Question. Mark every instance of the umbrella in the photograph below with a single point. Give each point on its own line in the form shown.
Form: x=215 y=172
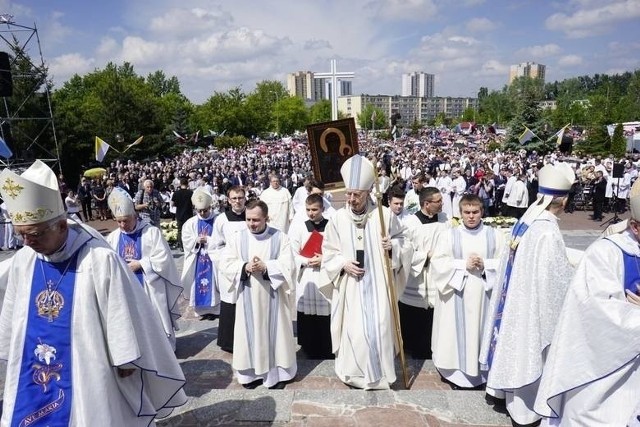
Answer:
x=95 y=173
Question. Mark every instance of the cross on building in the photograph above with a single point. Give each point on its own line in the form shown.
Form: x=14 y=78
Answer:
x=334 y=76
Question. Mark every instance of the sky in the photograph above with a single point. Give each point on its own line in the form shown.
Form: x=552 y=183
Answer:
x=217 y=45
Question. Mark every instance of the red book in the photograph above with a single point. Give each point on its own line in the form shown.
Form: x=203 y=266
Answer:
x=313 y=245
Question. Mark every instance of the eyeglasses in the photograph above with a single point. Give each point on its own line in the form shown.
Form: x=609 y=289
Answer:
x=201 y=211
x=35 y=235
x=434 y=201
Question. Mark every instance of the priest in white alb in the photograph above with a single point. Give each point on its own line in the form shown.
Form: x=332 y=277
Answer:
x=464 y=271
x=353 y=251
x=592 y=373
x=258 y=265
x=146 y=252
x=278 y=199
x=533 y=278
x=82 y=343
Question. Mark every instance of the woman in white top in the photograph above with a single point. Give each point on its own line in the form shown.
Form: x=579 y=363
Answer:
x=73 y=205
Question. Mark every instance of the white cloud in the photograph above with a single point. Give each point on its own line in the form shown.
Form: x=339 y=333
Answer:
x=178 y=23
x=315 y=44
x=536 y=52
x=493 y=67
x=595 y=18
x=477 y=25
x=403 y=10
x=570 y=61
x=61 y=68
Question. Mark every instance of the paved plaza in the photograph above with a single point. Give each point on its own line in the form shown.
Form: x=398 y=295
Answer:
x=316 y=397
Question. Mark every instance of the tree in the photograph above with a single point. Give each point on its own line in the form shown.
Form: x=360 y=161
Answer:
x=525 y=94
x=618 y=142
x=320 y=112
x=292 y=115
x=380 y=119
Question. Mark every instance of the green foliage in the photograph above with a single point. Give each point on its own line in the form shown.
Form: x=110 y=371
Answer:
x=618 y=141
x=364 y=118
x=320 y=112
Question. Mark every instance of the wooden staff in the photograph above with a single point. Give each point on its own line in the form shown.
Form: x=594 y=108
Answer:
x=391 y=290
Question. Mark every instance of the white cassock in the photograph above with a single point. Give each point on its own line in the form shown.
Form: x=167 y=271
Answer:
x=308 y=298
x=411 y=202
x=539 y=279
x=298 y=199
x=592 y=373
x=112 y=325
x=263 y=346
x=419 y=292
x=444 y=184
x=362 y=328
x=280 y=207
x=458 y=187
x=462 y=300
x=190 y=239
x=161 y=279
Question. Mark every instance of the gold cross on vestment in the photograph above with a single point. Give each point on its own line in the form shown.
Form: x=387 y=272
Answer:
x=11 y=188
x=359 y=237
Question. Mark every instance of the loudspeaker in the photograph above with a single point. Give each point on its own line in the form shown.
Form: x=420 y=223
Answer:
x=618 y=170
x=6 y=82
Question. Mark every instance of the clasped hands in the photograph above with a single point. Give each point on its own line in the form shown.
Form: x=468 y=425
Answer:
x=315 y=261
x=475 y=263
x=256 y=265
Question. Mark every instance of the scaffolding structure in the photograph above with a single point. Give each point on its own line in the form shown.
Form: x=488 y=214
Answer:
x=26 y=119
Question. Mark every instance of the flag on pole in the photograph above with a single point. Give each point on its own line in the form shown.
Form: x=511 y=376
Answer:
x=526 y=136
x=101 y=149
x=560 y=134
x=5 y=151
x=136 y=142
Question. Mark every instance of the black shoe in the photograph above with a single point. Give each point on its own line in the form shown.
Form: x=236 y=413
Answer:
x=252 y=385
x=209 y=316
x=278 y=386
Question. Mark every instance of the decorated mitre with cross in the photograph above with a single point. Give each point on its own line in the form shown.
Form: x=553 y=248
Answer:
x=120 y=203
x=201 y=199
x=32 y=197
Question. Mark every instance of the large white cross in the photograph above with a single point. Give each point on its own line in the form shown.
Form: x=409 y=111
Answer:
x=334 y=75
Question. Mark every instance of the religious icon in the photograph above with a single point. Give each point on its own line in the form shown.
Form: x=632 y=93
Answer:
x=331 y=144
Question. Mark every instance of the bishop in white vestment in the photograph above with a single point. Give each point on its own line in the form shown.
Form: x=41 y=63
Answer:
x=82 y=343
x=146 y=252
x=199 y=273
x=362 y=326
x=533 y=279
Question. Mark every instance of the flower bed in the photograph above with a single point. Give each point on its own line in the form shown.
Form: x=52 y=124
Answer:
x=170 y=231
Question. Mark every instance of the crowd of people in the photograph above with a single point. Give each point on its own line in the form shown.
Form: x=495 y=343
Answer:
x=549 y=333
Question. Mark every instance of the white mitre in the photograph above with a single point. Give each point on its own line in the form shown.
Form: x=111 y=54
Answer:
x=358 y=173
x=201 y=198
x=32 y=197
x=120 y=203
